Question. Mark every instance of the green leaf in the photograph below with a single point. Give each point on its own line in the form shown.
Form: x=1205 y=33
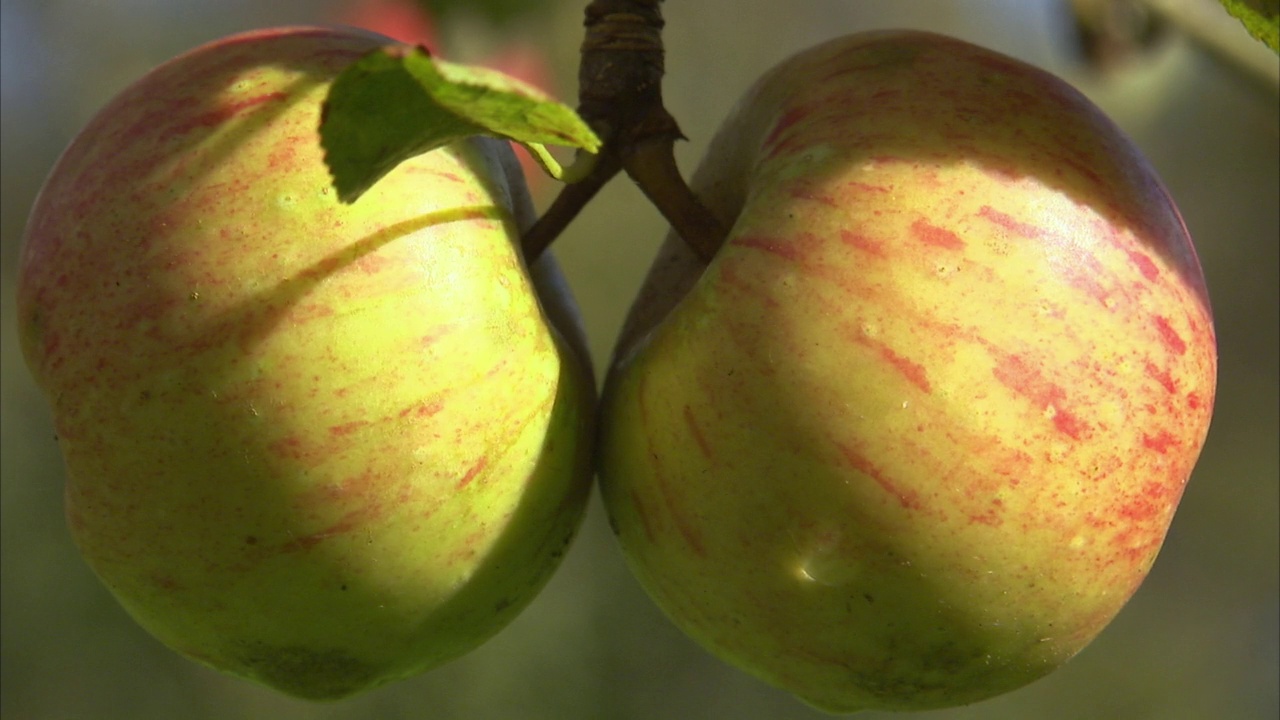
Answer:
x=398 y=102
x=1260 y=17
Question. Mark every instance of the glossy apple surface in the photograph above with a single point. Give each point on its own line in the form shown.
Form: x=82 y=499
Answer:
x=917 y=432
x=321 y=446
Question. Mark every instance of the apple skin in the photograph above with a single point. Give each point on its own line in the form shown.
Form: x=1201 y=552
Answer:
x=316 y=445
x=916 y=433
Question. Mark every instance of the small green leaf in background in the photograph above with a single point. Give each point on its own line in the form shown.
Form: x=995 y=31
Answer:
x=1260 y=17
x=398 y=102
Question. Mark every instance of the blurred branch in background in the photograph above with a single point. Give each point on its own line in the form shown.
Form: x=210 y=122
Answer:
x=1112 y=32
x=1205 y=22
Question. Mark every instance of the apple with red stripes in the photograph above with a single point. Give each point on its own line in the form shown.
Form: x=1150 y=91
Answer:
x=916 y=433
x=319 y=445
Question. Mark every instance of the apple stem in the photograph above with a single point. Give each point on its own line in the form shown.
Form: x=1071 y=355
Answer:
x=571 y=199
x=620 y=97
x=652 y=165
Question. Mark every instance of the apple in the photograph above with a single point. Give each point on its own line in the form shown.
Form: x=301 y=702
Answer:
x=917 y=431
x=316 y=445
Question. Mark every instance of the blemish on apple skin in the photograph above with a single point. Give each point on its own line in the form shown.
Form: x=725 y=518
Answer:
x=1169 y=336
x=1145 y=265
x=913 y=371
x=430 y=338
x=1161 y=442
x=787 y=251
x=1014 y=372
x=1161 y=376
x=861 y=187
x=472 y=472
x=284 y=157
x=908 y=499
x=290 y=447
x=1093 y=520
x=803 y=194
x=307 y=542
x=1008 y=222
x=935 y=236
x=221 y=115
x=857 y=241
x=686 y=530
x=642 y=513
x=696 y=431
x=372 y=264
x=316 y=674
x=165 y=582
x=423 y=410
x=792 y=116
x=1147 y=505
x=347 y=428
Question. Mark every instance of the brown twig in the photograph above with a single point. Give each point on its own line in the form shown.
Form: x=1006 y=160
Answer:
x=651 y=163
x=572 y=198
x=620 y=97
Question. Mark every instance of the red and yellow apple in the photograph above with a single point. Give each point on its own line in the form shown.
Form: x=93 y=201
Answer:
x=318 y=445
x=916 y=433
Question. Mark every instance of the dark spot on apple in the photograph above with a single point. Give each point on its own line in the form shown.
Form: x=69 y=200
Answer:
x=868 y=597
x=250 y=540
x=344 y=587
x=311 y=673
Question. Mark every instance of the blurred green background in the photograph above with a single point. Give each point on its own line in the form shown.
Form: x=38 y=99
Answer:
x=1199 y=641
